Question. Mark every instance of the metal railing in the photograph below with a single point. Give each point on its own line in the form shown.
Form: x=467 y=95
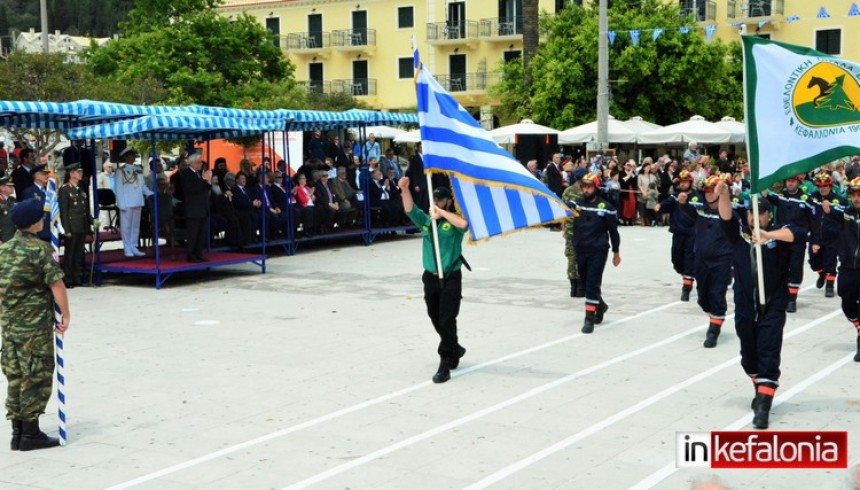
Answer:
x=467 y=82
x=308 y=40
x=700 y=10
x=317 y=86
x=446 y=31
x=501 y=27
x=353 y=37
x=755 y=8
x=354 y=86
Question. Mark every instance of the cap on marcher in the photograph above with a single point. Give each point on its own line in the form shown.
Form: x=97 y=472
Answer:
x=685 y=176
x=127 y=150
x=854 y=185
x=72 y=167
x=591 y=179
x=28 y=213
x=764 y=206
x=441 y=193
x=823 y=179
x=39 y=168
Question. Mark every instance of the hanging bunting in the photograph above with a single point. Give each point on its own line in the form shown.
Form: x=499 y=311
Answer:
x=634 y=36
x=685 y=30
x=822 y=13
x=612 y=35
x=709 y=32
x=792 y=18
x=655 y=34
x=855 y=11
x=737 y=24
x=763 y=23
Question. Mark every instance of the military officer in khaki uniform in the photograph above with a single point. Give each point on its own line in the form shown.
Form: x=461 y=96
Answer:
x=7 y=229
x=77 y=223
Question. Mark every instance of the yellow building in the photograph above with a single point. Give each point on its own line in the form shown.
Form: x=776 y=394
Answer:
x=364 y=47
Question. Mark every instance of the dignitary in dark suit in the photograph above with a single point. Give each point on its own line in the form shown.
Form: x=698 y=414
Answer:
x=77 y=223
x=553 y=175
x=196 y=184
x=38 y=191
x=247 y=207
x=327 y=207
x=79 y=154
x=23 y=175
x=415 y=172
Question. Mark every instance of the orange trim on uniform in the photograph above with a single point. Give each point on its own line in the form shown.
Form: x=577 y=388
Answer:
x=792 y=291
x=766 y=390
x=688 y=282
x=590 y=307
x=831 y=277
x=717 y=321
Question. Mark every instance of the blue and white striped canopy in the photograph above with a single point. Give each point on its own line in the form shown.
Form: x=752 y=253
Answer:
x=38 y=115
x=281 y=114
x=97 y=112
x=313 y=120
x=379 y=118
x=177 y=126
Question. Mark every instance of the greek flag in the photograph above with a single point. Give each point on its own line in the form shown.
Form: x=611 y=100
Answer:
x=52 y=206
x=496 y=193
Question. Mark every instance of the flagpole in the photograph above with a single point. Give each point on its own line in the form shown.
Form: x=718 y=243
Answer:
x=757 y=235
x=434 y=226
x=53 y=208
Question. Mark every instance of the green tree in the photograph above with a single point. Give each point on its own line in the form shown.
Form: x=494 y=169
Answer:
x=835 y=97
x=198 y=55
x=665 y=81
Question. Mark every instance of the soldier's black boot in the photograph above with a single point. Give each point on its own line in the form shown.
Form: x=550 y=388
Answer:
x=761 y=409
x=574 y=285
x=455 y=362
x=792 y=303
x=686 y=288
x=713 y=333
x=444 y=372
x=602 y=308
x=857 y=355
x=33 y=438
x=588 y=324
x=828 y=289
x=755 y=391
x=819 y=283
x=16 y=434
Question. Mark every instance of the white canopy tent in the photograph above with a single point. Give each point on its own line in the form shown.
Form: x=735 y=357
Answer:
x=619 y=132
x=636 y=123
x=413 y=136
x=381 y=132
x=507 y=135
x=738 y=129
x=697 y=129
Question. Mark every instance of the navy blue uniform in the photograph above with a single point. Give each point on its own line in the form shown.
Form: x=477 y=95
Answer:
x=593 y=232
x=682 y=225
x=824 y=233
x=848 y=219
x=795 y=210
x=713 y=262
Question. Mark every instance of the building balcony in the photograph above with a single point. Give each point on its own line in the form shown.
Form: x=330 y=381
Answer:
x=754 y=9
x=309 y=43
x=700 y=10
x=449 y=33
x=501 y=29
x=356 y=87
x=467 y=83
x=358 y=40
x=316 y=86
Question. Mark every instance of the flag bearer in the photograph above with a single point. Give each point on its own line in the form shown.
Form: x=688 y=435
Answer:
x=595 y=231
x=794 y=208
x=682 y=225
x=824 y=234
x=849 y=254
x=759 y=326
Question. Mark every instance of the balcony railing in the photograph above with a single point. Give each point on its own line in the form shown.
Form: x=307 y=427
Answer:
x=701 y=10
x=354 y=86
x=347 y=38
x=317 y=86
x=467 y=82
x=755 y=8
x=308 y=40
x=501 y=27
x=452 y=31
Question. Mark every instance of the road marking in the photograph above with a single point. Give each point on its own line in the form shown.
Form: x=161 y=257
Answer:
x=668 y=470
x=375 y=401
x=603 y=424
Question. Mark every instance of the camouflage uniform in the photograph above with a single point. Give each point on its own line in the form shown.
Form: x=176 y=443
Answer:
x=27 y=271
x=7 y=229
x=571 y=193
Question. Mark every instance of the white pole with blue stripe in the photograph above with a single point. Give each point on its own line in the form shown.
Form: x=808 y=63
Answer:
x=53 y=207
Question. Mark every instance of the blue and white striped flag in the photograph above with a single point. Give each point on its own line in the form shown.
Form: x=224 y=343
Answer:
x=496 y=193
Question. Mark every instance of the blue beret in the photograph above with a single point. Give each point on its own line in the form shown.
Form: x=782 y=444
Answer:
x=579 y=173
x=27 y=213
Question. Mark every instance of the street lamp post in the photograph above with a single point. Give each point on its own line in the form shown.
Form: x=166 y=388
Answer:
x=43 y=4
x=603 y=78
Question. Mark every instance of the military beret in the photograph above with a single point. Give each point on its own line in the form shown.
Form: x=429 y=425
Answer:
x=579 y=173
x=441 y=193
x=72 y=167
x=27 y=213
x=39 y=168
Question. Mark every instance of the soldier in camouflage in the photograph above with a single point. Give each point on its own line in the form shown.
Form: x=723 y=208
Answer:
x=30 y=279
x=573 y=193
x=7 y=188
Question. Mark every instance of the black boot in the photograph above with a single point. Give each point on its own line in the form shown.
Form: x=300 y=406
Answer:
x=601 y=309
x=828 y=290
x=819 y=283
x=588 y=325
x=857 y=355
x=574 y=285
x=580 y=288
x=455 y=362
x=713 y=333
x=761 y=410
x=33 y=438
x=444 y=372
x=792 y=303
x=16 y=434
x=685 y=293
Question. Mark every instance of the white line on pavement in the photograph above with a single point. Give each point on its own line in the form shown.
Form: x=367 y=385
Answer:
x=375 y=401
x=603 y=424
x=668 y=470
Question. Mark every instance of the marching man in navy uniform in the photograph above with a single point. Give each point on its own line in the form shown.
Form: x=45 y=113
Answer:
x=793 y=208
x=848 y=218
x=595 y=231
x=824 y=233
x=682 y=225
x=759 y=326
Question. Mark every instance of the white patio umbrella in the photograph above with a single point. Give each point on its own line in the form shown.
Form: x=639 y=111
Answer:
x=738 y=129
x=619 y=132
x=507 y=135
x=413 y=136
x=636 y=123
x=381 y=132
x=697 y=129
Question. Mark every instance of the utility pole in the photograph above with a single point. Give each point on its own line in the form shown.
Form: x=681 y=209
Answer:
x=603 y=78
x=43 y=4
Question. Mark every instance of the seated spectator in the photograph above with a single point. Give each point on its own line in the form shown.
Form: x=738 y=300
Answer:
x=277 y=221
x=305 y=198
x=247 y=206
x=285 y=205
x=223 y=215
x=397 y=216
x=220 y=170
x=380 y=197
x=326 y=205
x=347 y=198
